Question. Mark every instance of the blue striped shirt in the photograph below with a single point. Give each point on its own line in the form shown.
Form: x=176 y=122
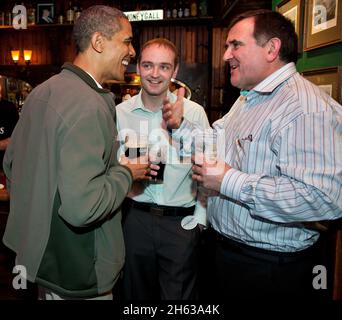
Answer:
x=283 y=141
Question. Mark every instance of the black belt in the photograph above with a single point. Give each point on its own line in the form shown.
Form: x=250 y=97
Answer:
x=162 y=210
x=259 y=253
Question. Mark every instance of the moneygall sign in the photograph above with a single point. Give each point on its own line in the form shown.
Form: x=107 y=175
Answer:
x=145 y=15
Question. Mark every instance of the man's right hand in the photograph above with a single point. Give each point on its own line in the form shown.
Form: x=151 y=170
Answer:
x=173 y=112
x=140 y=168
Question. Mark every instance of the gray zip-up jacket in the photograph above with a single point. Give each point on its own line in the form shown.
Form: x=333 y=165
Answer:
x=66 y=187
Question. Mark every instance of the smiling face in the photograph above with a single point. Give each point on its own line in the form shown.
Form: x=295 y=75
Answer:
x=247 y=60
x=156 y=68
x=117 y=52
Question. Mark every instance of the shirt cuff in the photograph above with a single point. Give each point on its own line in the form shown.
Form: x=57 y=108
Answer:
x=232 y=183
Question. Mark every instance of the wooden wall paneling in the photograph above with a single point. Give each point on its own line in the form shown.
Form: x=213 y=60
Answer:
x=222 y=69
x=194 y=45
x=199 y=45
x=189 y=45
x=151 y=33
x=182 y=44
x=35 y=50
x=50 y=43
x=218 y=65
x=166 y=31
x=9 y=45
x=204 y=31
x=5 y=48
x=215 y=65
x=2 y=56
x=45 y=53
x=337 y=291
x=178 y=42
x=41 y=52
x=142 y=37
x=161 y=32
x=172 y=35
x=70 y=52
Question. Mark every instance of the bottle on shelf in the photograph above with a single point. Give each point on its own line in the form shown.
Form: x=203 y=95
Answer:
x=9 y=14
x=77 y=12
x=174 y=12
x=186 y=9
x=167 y=10
x=193 y=8
x=2 y=18
x=31 y=15
x=70 y=13
x=180 y=12
x=168 y=13
x=60 y=17
x=8 y=18
x=203 y=6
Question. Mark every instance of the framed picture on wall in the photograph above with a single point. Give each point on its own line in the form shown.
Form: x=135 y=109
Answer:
x=45 y=13
x=328 y=79
x=293 y=10
x=323 y=23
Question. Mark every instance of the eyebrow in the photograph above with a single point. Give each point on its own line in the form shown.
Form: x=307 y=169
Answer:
x=233 y=42
x=161 y=63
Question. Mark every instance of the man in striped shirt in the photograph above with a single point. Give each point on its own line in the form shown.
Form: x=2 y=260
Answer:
x=282 y=169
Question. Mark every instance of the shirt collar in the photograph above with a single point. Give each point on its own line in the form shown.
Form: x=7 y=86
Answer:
x=95 y=80
x=244 y=92
x=276 y=78
x=137 y=103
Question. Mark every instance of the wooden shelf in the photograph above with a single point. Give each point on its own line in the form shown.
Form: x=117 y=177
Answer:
x=190 y=20
x=38 y=26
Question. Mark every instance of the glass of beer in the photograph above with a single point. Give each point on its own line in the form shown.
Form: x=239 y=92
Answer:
x=157 y=156
x=136 y=146
x=205 y=149
x=205 y=146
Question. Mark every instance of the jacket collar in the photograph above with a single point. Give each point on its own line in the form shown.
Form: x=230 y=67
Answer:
x=84 y=76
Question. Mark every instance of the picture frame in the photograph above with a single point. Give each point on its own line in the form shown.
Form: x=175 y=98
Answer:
x=323 y=23
x=293 y=10
x=329 y=79
x=45 y=13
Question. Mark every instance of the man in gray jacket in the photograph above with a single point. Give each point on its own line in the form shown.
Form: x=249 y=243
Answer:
x=66 y=185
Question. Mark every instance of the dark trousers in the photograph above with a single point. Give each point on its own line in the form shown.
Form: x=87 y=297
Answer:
x=245 y=272
x=161 y=257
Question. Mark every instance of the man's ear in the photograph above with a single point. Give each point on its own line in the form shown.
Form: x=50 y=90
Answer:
x=138 y=69
x=97 y=42
x=273 y=46
x=174 y=75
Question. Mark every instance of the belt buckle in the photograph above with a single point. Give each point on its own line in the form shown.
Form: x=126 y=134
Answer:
x=157 y=211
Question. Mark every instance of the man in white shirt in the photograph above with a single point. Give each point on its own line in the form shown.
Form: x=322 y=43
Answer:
x=161 y=255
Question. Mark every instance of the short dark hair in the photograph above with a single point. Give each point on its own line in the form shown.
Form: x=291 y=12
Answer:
x=103 y=19
x=269 y=24
x=162 y=42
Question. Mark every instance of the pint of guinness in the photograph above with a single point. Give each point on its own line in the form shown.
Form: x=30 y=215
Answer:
x=136 y=147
